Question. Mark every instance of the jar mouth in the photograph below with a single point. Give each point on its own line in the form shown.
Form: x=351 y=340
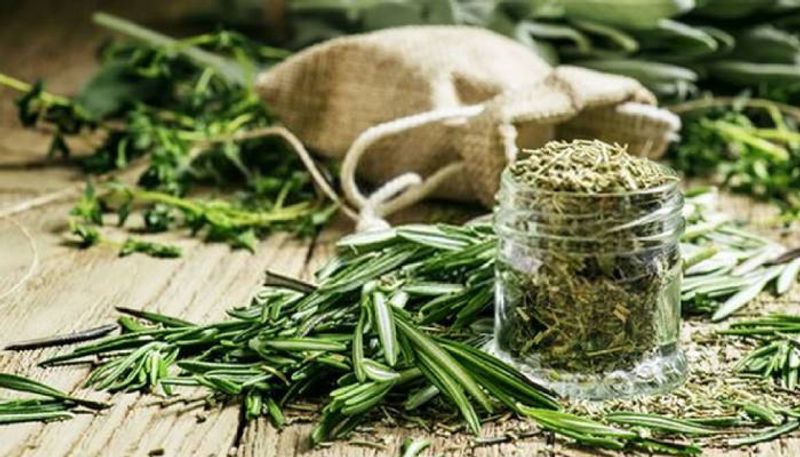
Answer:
x=630 y=221
x=507 y=181
x=671 y=209
x=592 y=246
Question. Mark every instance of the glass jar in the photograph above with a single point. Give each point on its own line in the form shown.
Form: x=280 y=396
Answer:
x=588 y=288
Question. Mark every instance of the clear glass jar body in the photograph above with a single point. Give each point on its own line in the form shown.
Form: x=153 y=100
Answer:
x=588 y=289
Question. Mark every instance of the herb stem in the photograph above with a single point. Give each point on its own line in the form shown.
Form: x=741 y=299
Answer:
x=22 y=86
x=228 y=69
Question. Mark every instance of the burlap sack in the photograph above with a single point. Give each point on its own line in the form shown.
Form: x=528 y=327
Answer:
x=450 y=104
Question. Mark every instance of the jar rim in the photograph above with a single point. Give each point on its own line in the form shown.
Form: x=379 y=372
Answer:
x=670 y=208
x=507 y=180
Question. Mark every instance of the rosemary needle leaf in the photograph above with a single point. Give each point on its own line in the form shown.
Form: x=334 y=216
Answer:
x=155 y=318
x=425 y=345
x=379 y=372
x=305 y=344
x=429 y=235
x=762 y=413
x=385 y=326
x=358 y=348
x=14 y=418
x=432 y=288
x=767 y=435
x=277 y=280
x=451 y=388
x=367 y=241
x=506 y=377
x=661 y=423
x=788 y=276
x=662 y=447
x=412 y=447
x=367 y=400
x=419 y=397
x=71 y=338
x=22 y=384
x=584 y=431
x=253 y=405
x=757 y=260
x=568 y=421
x=275 y=413
x=745 y=295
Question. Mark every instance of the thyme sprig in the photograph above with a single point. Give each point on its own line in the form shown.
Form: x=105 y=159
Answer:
x=187 y=112
x=751 y=146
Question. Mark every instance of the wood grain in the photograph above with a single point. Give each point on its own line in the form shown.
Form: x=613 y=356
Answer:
x=70 y=289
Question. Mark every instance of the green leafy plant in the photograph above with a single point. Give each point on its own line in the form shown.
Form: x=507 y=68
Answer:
x=725 y=267
x=674 y=47
x=777 y=351
x=184 y=110
x=398 y=319
x=748 y=146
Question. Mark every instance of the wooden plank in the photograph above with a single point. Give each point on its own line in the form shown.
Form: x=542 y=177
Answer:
x=77 y=289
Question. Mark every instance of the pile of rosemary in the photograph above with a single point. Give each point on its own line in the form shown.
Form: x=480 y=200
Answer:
x=777 y=355
x=395 y=328
x=588 y=260
x=182 y=114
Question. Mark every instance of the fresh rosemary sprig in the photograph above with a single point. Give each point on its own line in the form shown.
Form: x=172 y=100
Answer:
x=359 y=322
x=57 y=405
x=596 y=434
x=727 y=267
x=60 y=340
x=397 y=318
x=777 y=352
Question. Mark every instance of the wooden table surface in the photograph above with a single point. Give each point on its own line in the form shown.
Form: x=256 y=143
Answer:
x=49 y=287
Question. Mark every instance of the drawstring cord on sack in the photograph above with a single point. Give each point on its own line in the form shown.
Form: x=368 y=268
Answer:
x=406 y=189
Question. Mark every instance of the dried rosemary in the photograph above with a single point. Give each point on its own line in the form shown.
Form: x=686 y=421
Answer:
x=589 y=266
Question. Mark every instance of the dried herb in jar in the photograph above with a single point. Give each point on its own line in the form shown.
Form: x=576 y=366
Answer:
x=589 y=264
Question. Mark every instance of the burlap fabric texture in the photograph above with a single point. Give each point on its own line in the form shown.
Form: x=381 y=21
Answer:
x=447 y=107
